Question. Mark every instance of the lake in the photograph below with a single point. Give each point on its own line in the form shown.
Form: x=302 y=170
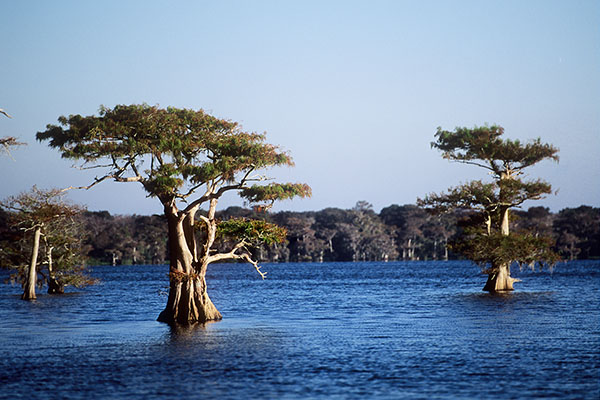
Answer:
x=414 y=330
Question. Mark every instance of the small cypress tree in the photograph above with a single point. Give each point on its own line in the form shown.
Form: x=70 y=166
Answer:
x=487 y=239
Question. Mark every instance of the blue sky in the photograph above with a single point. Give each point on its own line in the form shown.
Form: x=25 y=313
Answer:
x=353 y=89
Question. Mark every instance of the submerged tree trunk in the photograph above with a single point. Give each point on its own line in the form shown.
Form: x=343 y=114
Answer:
x=500 y=280
x=188 y=300
x=445 y=249
x=29 y=289
x=55 y=286
x=188 y=303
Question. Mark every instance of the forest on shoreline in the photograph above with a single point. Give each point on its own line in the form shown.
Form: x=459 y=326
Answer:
x=397 y=232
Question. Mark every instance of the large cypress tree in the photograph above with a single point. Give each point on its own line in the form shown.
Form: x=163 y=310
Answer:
x=486 y=237
x=186 y=159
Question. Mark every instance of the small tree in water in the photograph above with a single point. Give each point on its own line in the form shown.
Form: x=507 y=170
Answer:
x=486 y=237
x=185 y=159
x=43 y=239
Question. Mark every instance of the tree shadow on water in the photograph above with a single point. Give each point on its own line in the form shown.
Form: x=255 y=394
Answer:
x=181 y=331
x=485 y=302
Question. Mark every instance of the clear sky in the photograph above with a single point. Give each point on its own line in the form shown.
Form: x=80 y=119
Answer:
x=353 y=89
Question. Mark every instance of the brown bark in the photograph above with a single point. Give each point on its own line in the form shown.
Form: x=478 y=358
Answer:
x=29 y=289
x=188 y=300
x=188 y=303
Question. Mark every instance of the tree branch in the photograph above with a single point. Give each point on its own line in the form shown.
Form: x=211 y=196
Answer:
x=191 y=191
x=475 y=163
x=211 y=194
x=97 y=180
x=232 y=255
x=82 y=168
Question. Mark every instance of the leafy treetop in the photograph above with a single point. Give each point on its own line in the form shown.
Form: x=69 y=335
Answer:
x=39 y=207
x=484 y=147
x=172 y=152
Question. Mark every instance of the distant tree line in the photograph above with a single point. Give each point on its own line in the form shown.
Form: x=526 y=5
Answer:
x=398 y=232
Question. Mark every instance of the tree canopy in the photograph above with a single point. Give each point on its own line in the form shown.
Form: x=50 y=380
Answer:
x=172 y=152
x=484 y=146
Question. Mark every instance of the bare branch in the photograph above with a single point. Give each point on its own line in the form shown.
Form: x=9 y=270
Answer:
x=137 y=178
x=96 y=181
x=7 y=142
x=105 y=177
x=211 y=194
x=134 y=169
x=477 y=164
x=191 y=191
x=246 y=256
x=5 y=113
x=245 y=178
x=226 y=256
x=233 y=255
x=204 y=219
x=82 y=168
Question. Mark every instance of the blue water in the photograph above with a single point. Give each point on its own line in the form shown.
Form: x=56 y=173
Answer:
x=418 y=330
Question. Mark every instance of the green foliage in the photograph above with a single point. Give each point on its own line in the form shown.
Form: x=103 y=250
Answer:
x=524 y=248
x=185 y=148
x=472 y=195
x=485 y=144
x=254 y=232
x=486 y=197
x=163 y=180
x=275 y=191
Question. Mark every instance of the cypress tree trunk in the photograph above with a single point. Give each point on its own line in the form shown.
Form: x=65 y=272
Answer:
x=505 y=227
x=188 y=303
x=500 y=280
x=54 y=285
x=188 y=300
x=445 y=249
x=29 y=289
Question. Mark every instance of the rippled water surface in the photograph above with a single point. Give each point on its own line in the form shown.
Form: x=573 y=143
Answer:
x=334 y=330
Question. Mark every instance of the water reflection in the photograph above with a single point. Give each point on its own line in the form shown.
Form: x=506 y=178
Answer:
x=222 y=339
x=182 y=331
x=503 y=298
